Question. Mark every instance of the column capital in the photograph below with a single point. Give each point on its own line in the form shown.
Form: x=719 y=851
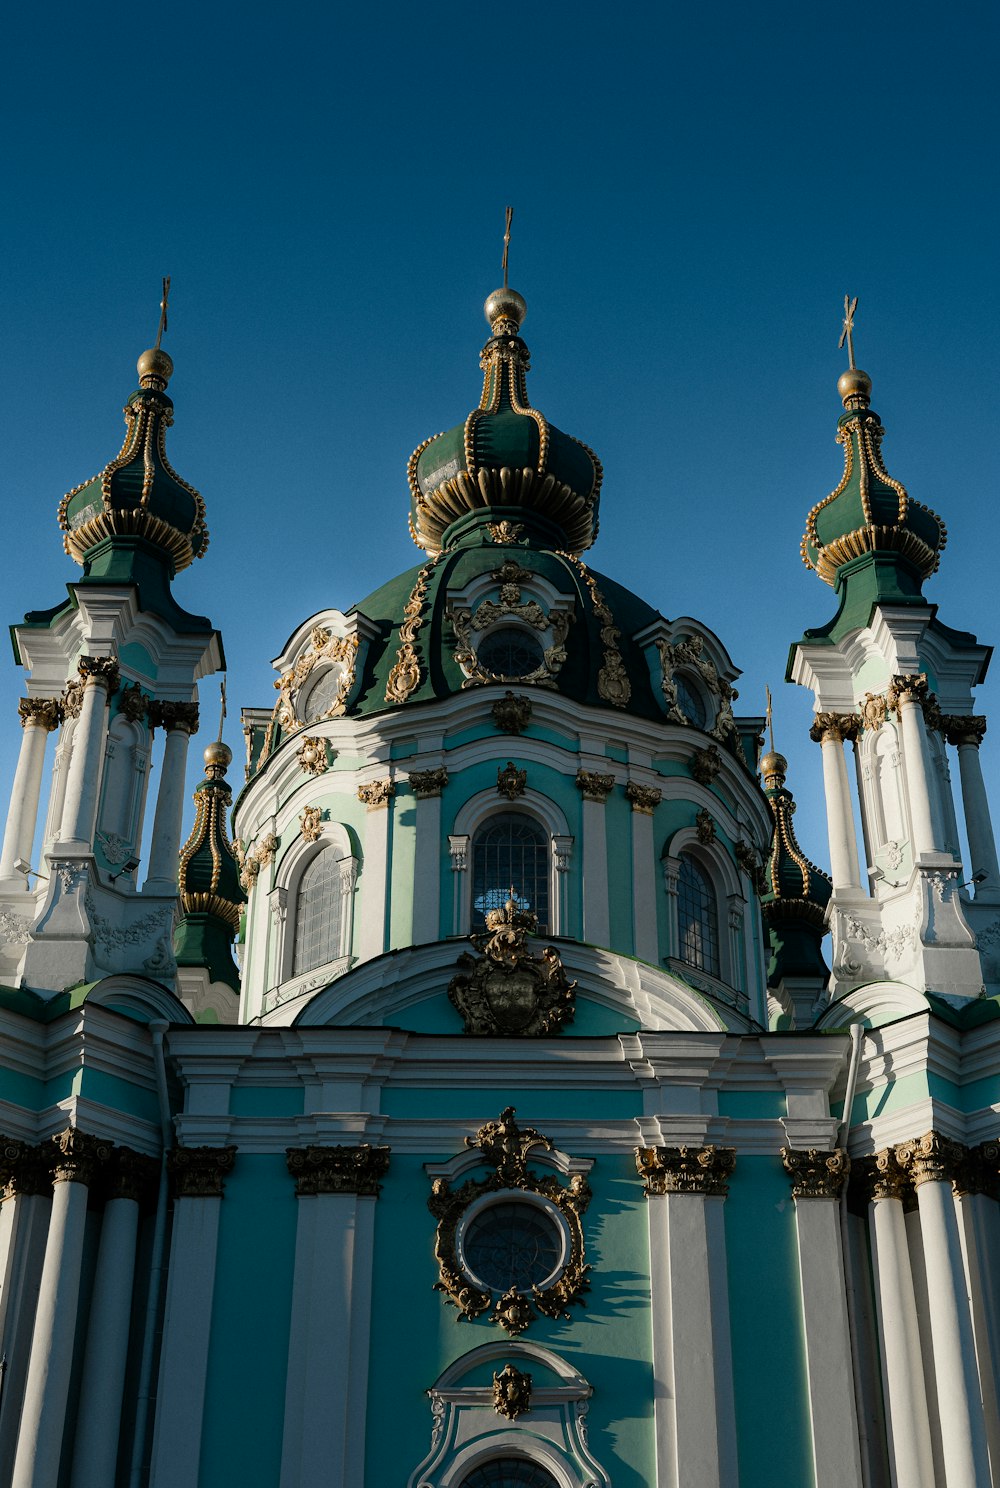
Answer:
x=906 y=687
x=338 y=1170
x=100 y=671
x=131 y=1175
x=643 y=798
x=689 y=1170
x=881 y=1177
x=980 y=1172
x=377 y=794
x=45 y=713
x=25 y=1169
x=78 y=1157
x=931 y=1159
x=963 y=728
x=427 y=783
x=815 y=1173
x=834 y=727
x=169 y=715
x=199 y=1172
x=593 y=786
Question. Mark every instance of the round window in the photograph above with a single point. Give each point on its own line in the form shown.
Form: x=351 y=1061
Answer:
x=690 y=701
x=322 y=695
x=510 y=652
x=512 y=1472
x=512 y=1243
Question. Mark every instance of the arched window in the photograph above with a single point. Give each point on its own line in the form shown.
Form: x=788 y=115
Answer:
x=319 y=913
x=510 y=1472
x=508 y=852
x=697 y=918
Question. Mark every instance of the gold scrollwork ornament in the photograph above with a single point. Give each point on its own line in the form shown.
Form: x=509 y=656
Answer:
x=506 y=1149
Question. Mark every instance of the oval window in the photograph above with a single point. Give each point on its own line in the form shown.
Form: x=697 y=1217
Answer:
x=511 y=1472
x=690 y=701
x=322 y=695
x=510 y=651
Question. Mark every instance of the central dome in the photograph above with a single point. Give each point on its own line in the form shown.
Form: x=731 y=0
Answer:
x=506 y=460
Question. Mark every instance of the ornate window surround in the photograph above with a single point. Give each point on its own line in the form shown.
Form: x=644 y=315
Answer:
x=474 y=814
x=284 y=904
x=468 y=1432
x=463 y=611
x=731 y=903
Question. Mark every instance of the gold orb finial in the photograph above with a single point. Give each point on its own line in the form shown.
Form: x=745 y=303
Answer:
x=218 y=757
x=855 y=388
x=505 y=310
x=774 y=767
x=155 y=368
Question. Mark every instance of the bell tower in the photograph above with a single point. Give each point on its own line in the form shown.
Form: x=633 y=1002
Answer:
x=107 y=670
x=894 y=685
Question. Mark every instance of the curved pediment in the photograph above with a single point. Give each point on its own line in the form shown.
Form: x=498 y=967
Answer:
x=614 y=994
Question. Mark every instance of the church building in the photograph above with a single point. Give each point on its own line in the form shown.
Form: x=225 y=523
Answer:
x=461 y=1092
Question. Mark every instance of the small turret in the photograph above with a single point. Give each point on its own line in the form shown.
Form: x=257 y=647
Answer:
x=208 y=879
x=794 y=900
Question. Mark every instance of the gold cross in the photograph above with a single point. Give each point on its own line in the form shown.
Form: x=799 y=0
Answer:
x=163 y=311
x=506 y=243
x=769 y=717
x=847 y=334
x=222 y=694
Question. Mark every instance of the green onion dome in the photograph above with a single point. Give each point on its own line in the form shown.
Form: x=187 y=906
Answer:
x=139 y=494
x=869 y=512
x=506 y=457
x=208 y=878
x=795 y=892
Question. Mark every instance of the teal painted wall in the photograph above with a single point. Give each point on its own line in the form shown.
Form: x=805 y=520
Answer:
x=769 y=1368
x=403 y=841
x=251 y=1312
x=618 y=830
x=608 y=1340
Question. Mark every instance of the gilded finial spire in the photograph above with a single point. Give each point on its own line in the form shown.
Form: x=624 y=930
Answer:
x=847 y=334
x=506 y=243
x=163 y=312
x=222 y=712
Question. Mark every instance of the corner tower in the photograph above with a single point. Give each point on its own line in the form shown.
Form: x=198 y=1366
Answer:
x=116 y=661
x=894 y=682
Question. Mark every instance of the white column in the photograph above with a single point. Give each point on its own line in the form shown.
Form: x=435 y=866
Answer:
x=24 y=1222
x=831 y=729
x=906 y=691
x=326 y=1385
x=102 y=1383
x=979 y=1233
x=911 y=1460
x=39 y=716
x=180 y=721
x=198 y=1174
x=596 y=905
x=644 y=801
x=83 y=779
x=817 y=1178
x=932 y=1162
x=966 y=734
x=370 y=934
x=693 y=1415
x=427 y=859
x=46 y=1391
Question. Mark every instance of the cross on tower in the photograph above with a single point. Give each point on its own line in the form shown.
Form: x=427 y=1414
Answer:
x=506 y=243
x=847 y=334
x=163 y=311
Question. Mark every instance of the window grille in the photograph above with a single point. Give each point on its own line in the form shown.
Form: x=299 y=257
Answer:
x=690 y=701
x=318 y=913
x=510 y=851
x=697 y=918
x=510 y=652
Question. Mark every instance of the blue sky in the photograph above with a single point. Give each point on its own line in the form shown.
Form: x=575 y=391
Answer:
x=695 y=190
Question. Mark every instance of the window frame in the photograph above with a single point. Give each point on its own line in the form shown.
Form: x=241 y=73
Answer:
x=473 y=815
x=300 y=856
